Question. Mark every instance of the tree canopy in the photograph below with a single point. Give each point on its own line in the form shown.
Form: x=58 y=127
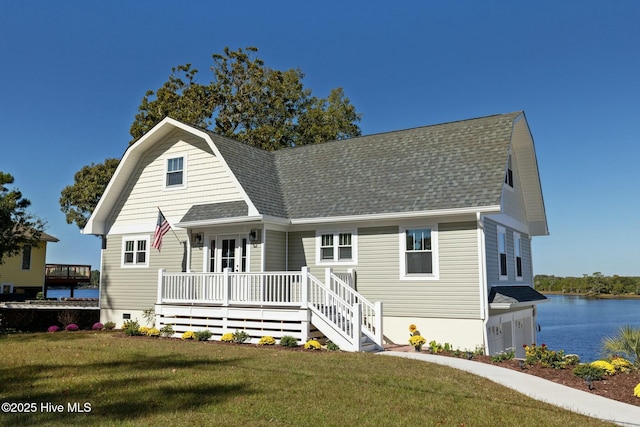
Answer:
x=18 y=228
x=245 y=100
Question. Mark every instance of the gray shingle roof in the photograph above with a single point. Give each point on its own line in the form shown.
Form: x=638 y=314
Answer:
x=514 y=294
x=445 y=166
x=216 y=211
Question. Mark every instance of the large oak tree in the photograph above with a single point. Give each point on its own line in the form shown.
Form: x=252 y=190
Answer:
x=245 y=99
x=18 y=228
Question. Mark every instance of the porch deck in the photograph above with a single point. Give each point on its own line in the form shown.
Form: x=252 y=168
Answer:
x=270 y=303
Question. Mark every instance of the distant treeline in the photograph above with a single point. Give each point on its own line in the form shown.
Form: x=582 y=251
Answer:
x=589 y=284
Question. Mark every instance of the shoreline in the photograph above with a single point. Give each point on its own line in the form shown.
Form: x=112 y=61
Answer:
x=592 y=296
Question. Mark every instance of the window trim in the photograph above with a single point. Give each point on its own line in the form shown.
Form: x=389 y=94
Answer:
x=166 y=171
x=336 y=247
x=135 y=239
x=501 y=231
x=517 y=247
x=508 y=174
x=435 y=258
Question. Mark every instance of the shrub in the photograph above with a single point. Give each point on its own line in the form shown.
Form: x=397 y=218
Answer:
x=636 y=391
x=312 y=345
x=153 y=332
x=240 y=336
x=331 y=346
x=544 y=356
x=228 y=337
x=571 y=360
x=202 y=335
x=266 y=340
x=588 y=371
x=501 y=356
x=288 y=341
x=605 y=366
x=54 y=328
x=621 y=364
x=189 y=335
x=109 y=326
x=167 y=331
x=71 y=327
x=97 y=326
x=143 y=330
x=435 y=347
x=131 y=328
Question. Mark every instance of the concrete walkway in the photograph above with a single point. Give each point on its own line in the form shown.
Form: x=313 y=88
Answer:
x=565 y=397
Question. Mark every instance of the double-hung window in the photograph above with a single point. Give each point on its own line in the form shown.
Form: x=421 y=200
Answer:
x=418 y=255
x=502 y=253
x=336 y=247
x=508 y=176
x=175 y=176
x=135 y=251
x=517 y=249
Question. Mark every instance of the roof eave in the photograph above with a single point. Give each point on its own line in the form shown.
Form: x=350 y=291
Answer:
x=219 y=221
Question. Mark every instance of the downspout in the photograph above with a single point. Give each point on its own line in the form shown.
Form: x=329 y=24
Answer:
x=482 y=272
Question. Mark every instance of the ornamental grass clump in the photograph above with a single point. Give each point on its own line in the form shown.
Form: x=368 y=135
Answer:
x=288 y=341
x=167 y=331
x=54 y=328
x=131 y=328
x=312 y=345
x=240 y=337
x=267 y=340
x=72 y=327
x=189 y=335
x=626 y=343
x=109 y=326
x=228 y=337
x=203 y=335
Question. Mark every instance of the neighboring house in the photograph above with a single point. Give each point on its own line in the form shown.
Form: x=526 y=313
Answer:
x=435 y=223
x=24 y=273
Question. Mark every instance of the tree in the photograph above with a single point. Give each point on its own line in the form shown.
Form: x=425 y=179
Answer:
x=18 y=228
x=78 y=201
x=245 y=99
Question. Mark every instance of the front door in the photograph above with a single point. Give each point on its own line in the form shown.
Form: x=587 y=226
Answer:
x=228 y=252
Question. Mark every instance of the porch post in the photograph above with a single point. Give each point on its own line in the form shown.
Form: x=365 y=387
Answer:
x=378 y=323
x=304 y=288
x=160 y=277
x=327 y=277
x=226 y=287
x=352 y=278
x=357 y=327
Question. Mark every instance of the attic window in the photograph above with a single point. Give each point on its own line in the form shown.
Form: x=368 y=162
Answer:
x=508 y=177
x=175 y=172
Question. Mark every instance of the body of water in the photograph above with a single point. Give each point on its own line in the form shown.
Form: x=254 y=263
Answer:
x=578 y=325
x=78 y=293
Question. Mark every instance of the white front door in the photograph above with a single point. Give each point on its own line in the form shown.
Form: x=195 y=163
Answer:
x=228 y=252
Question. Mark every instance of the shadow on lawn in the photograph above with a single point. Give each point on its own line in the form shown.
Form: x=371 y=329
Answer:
x=117 y=390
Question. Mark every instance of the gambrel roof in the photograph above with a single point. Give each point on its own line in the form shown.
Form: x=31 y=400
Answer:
x=438 y=169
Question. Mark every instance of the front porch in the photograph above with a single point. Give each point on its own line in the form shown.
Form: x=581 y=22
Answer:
x=270 y=303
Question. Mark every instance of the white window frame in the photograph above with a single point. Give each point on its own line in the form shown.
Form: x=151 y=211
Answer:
x=336 y=247
x=502 y=232
x=517 y=247
x=435 y=259
x=166 y=160
x=135 y=239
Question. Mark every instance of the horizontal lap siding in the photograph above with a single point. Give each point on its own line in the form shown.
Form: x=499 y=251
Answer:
x=491 y=243
x=275 y=250
x=302 y=250
x=454 y=295
x=136 y=288
x=207 y=182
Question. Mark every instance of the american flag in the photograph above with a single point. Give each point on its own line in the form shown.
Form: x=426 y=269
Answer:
x=162 y=226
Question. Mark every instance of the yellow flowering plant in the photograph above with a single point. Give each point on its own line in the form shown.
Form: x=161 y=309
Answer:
x=621 y=364
x=636 y=391
x=153 y=332
x=417 y=340
x=189 y=335
x=266 y=340
x=604 y=365
x=312 y=345
x=228 y=337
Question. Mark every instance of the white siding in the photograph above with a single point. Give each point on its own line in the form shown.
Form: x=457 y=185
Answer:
x=207 y=182
x=491 y=243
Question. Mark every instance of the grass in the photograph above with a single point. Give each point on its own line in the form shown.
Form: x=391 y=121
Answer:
x=142 y=381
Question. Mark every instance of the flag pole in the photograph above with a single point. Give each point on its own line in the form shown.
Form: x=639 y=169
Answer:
x=170 y=226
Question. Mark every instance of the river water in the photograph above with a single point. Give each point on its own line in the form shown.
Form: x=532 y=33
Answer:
x=78 y=293
x=578 y=325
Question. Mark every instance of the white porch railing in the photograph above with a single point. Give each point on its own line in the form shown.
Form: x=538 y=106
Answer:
x=342 y=314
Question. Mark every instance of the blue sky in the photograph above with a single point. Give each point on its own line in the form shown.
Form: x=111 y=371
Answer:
x=73 y=73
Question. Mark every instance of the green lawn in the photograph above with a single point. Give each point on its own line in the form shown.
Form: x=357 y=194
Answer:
x=143 y=381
